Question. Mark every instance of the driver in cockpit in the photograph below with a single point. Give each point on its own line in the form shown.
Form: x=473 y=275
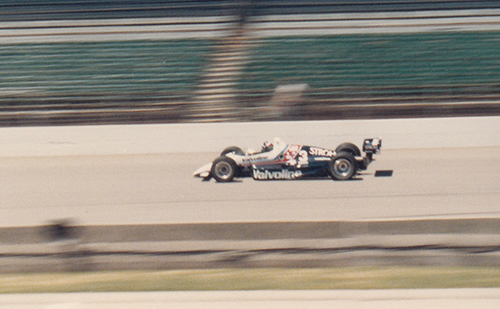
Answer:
x=267 y=146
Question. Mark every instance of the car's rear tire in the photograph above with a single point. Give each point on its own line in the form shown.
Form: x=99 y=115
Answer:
x=343 y=166
x=349 y=148
x=224 y=169
x=232 y=149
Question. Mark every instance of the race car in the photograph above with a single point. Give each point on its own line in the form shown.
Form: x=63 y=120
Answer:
x=281 y=161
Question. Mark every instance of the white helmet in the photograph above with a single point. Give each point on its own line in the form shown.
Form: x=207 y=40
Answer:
x=267 y=146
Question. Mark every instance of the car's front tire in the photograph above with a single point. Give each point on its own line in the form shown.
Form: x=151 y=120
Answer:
x=224 y=169
x=232 y=149
x=343 y=166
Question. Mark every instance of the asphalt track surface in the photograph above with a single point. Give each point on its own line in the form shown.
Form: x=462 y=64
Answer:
x=353 y=299
x=160 y=189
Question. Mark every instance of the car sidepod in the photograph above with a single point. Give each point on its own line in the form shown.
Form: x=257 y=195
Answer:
x=295 y=162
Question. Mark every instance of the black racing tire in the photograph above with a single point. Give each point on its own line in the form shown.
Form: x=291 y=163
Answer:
x=224 y=169
x=349 y=148
x=343 y=166
x=232 y=149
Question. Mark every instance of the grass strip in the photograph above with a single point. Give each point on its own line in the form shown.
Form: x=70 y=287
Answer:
x=254 y=279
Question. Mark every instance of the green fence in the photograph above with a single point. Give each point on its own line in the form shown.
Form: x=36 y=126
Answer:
x=387 y=68
x=102 y=68
x=367 y=65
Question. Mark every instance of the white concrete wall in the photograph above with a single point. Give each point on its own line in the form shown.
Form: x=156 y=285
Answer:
x=213 y=137
x=318 y=299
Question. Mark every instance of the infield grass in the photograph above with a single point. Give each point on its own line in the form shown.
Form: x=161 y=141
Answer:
x=254 y=279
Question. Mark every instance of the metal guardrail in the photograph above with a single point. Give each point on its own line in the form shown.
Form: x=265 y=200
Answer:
x=62 y=247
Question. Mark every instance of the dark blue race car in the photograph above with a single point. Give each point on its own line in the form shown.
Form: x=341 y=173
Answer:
x=281 y=161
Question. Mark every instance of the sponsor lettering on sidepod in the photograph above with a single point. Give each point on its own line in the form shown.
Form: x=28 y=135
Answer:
x=269 y=175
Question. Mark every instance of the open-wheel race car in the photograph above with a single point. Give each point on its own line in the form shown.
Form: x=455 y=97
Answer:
x=281 y=161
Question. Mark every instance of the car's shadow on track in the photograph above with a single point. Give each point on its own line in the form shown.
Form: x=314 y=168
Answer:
x=384 y=173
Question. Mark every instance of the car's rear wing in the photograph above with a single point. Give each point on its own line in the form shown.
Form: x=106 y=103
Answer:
x=372 y=146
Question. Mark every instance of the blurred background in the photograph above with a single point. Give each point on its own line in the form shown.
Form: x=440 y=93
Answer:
x=101 y=62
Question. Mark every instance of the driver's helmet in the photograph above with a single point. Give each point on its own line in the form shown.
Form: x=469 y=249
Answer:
x=267 y=146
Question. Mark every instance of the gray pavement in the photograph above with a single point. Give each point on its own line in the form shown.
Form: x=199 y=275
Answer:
x=160 y=189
